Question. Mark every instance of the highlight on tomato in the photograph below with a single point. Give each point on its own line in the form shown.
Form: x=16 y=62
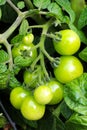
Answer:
x=31 y=109
x=43 y=94
x=17 y=96
x=28 y=39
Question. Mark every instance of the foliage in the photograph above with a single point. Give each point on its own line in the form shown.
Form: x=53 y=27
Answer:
x=44 y=19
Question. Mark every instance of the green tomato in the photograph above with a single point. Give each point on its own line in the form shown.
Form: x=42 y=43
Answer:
x=17 y=96
x=24 y=50
x=31 y=110
x=57 y=90
x=24 y=55
x=30 y=78
x=43 y=94
x=28 y=39
x=69 y=43
x=68 y=69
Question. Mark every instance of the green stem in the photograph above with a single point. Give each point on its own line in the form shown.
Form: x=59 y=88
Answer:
x=43 y=65
x=35 y=61
x=43 y=38
x=35 y=26
x=14 y=7
x=29 y=4
x=12 y=28
x=51 y=59
x=42 y=48
x=8 y=47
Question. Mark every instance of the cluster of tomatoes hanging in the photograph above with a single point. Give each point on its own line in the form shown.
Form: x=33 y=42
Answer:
x=70 y=67
x=33 y=105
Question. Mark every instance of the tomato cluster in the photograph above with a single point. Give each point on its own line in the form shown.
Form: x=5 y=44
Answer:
x=70 y=66
x=32 y=105
x=32 y=100
x=23 y=100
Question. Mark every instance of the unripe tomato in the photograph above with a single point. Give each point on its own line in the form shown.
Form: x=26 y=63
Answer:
x=17 y=96
x=28 y=39
x=43 y=94
x=24 y=50
x=69 y=43
x=32 y=110
x=68 y=69
x=57 y=90
x=30 y=78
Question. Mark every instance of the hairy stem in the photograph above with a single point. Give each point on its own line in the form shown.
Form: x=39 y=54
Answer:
x=8 y=47
x=43 y=38
x=11 y=29
x=42 y=48
x=43 y=65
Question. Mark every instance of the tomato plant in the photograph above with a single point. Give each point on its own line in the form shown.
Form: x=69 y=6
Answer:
x=68 y=44
x=68 y=69
x=17 y=96
x=31 y=110
x=43 y=48
x=43 y=94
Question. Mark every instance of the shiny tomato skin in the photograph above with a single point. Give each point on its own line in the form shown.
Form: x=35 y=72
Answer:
x=17 y=96
x=69 y=43
x=68 y=69
x=24 y=50
x=57 y=90
x=28 y=39
x=43 y=94
x=31 y=110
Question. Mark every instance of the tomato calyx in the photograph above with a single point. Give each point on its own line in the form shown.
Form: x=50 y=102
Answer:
x=55 y=36
x=56 y=62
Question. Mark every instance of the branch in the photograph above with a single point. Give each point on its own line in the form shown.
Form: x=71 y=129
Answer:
x=13 y=6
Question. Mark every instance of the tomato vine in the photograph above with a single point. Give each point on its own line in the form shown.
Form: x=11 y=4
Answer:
x=32 y=51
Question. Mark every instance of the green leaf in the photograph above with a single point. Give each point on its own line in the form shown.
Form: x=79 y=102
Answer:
x=16 y=39
x=82 y=19
x=41 y=4
x=24 y=27
x=3 y=120
x=3 y=67
x=56 y=11
x=65 y=110
x=3 y=56
x=83 y=54
x=22 y=62
x=76 y=122
x=75 y=94
x=0 y=13
x=66 y=6
x=79 y=32
x=4 y=76
x=13 y=82
x=2 y=2
x=50 y=122
x=21 y=4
